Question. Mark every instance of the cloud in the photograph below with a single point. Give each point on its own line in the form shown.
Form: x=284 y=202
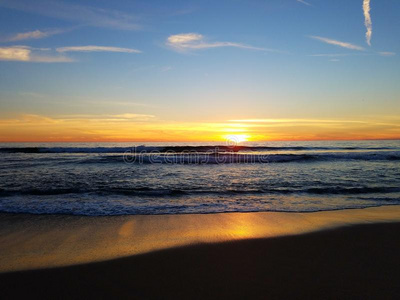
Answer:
x=14 y=53
x=184 y=38
x=311 y=121
x=147 y=128
x=84 y=102
x=28 y=54
x=329 y=55
x=196 y=41
x=304 y=2
x=385 y=53
x=368 y=22
x=85 y=15
x=50 y=59
x=333 y=55
x=134 y=116
x=166 y=69
x=36 y=34
x=96 y=49
x=128 y=117
x=338 y=43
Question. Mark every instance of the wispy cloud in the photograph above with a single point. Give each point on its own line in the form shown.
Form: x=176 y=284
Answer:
x=50 y=59
x=385 y=53
x=85 y=15
x=368 y=22
x=196 y=41
x=330 y=55
x=337 y=43
x=28 y=54
x=80 y=127
x=44 y=55
x=333 y=55
x=304 y=2
x=129 y=117
x=36 y=34
x=262 y=121
x=84 y=102
x=166 y=69
x=96 y=49
x=142 y=127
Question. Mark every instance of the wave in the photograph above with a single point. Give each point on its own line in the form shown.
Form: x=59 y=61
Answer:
x=214 y=158
x=180 y=149
x=237 y=158
x=121 y=155
x=160 y=193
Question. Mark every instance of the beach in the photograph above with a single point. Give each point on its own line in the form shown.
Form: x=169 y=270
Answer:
x=199 y=149
x=266 y=255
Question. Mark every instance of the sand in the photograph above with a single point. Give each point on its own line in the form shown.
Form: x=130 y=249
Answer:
x=329 y=255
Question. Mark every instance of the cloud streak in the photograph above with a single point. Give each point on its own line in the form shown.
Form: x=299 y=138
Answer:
x=84 y=15
x=46 y=55
x=304 y=2
x=128 y=117
x=368 y=22
x=337 y=43
x=37 y=34
x=195 y=41
x=96 y=49
x=33 y=35
x=145 y=128
x=312 y=121
x=385 y=53
x=28 y=54
x=330 y=55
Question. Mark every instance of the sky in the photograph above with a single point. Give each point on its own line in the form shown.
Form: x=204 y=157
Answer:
x=184 y=70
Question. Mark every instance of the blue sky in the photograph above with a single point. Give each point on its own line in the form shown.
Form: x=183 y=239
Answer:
x=200 y=62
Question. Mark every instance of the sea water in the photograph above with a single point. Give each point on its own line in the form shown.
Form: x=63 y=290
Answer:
x=175 y=178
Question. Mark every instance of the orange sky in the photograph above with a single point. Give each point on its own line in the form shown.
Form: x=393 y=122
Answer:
x=129 y=127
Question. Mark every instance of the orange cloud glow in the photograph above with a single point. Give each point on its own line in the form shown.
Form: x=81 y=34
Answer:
x=146 y=128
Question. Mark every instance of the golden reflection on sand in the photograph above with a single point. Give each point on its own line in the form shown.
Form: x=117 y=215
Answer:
x=30 y=242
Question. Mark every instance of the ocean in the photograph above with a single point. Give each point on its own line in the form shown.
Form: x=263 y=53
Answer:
x=97 y=179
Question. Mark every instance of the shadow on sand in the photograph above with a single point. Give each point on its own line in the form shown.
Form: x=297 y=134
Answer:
x=357 y=262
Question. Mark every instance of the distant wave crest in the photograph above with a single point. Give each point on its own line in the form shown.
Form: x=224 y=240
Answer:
x=179 y=149
x=154 y=192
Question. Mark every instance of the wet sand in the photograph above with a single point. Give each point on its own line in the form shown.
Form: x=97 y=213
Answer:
x=329 y=255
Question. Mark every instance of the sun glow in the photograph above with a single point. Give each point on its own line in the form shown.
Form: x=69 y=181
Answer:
x=131 y=127
x=237 y=138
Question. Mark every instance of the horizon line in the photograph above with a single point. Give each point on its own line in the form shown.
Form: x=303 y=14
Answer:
x=211 y=141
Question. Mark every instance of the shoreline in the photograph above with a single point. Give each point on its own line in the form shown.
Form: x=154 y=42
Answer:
x=351 y=262
x=197 y=213
x=30 y=242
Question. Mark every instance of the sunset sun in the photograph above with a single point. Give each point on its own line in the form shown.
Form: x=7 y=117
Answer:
x=237 y=138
